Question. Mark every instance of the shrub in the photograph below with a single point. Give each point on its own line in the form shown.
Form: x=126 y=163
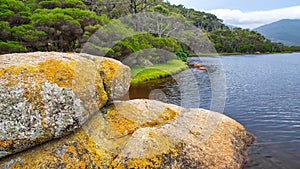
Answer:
x=10 y=47
x=182 y=55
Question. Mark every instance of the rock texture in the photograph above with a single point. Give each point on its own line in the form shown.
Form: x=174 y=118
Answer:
x=144 y=134
x=48 y=95
x=115 y=75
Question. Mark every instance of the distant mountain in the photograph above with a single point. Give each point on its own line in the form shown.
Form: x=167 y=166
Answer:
x=231 y=26
x=286 y=31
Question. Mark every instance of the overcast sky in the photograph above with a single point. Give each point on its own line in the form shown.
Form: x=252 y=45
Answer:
x=246 y=14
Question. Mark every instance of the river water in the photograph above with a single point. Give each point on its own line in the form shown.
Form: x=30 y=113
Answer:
x=262 y=92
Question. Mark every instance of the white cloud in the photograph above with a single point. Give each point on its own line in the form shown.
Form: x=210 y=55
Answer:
x=255 y=18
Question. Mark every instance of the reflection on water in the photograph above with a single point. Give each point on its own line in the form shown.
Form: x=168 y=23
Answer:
x=172 y=89
x=262 y=93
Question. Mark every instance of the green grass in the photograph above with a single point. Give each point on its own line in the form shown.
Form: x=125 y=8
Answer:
x=141 y=74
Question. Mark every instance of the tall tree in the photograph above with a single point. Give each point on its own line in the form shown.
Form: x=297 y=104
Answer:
x=137 y=6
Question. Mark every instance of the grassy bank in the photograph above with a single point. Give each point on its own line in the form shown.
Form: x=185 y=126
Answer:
x=141 y=74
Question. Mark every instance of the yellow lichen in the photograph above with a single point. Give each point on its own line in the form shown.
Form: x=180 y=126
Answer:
x=108 y=67
x=26 y=77
x=127 y=119
x=84 y=149
x=85 y=156
x=71 y=149
x=81 y=152
x=69 y=166
x=58 y=71
x=110 y=70
x=79 y=75
x=65 y=157
x=4 y=144
x=120 y=123
x=168 y=114
x=82 y=164
x=164 y=159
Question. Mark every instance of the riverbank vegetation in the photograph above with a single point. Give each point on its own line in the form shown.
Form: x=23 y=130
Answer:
x=292 y=48
x=141 y=74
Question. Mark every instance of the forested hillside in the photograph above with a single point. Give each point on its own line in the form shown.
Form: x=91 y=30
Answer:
x=65 y=25
x=226 y=39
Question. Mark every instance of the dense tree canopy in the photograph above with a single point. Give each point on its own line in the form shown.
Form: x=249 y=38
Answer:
x=65 y=25
x=206 y=21
x=46 y=25
x=242 y=40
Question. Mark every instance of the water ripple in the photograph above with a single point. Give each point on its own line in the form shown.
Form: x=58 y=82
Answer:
x=263 y=93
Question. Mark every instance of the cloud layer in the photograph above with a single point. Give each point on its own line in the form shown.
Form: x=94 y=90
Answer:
x=256 y=18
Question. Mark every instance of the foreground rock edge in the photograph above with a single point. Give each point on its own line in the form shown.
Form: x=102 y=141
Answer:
x=162 y=136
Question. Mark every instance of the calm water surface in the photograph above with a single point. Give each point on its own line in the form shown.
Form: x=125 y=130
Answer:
x=262 y=93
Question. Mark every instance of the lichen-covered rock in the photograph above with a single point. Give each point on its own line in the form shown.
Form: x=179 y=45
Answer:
x=46 y=95
x=116 y=76
x=144 y=134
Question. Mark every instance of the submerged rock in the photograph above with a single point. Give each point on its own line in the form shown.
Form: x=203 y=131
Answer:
x=144 y=134
x=46 y=95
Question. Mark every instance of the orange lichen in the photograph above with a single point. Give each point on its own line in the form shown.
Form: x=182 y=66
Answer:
x=81 y=152
x=57 y=71
x=82 y=164
x=68 y=166
x=26 y=77
x=108 y=67
x=120 y=123
x=65 y=157
x=150 y=145
x=85 y=156
x=164 y=159
x=71 y=149
x=110 y=70
x=4 y=144
x=125 y=123
x=168 y=114
x=79 y=75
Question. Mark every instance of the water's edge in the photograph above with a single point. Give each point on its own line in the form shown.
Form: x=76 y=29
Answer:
x=262 y=93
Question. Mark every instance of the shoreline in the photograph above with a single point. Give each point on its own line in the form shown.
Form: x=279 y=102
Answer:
x=164 y=72
x=238 y=54
x=157 y=71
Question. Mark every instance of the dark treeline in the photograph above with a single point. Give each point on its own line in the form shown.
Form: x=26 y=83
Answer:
x=65 y=25
x=243 y=41
x=291 y=48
